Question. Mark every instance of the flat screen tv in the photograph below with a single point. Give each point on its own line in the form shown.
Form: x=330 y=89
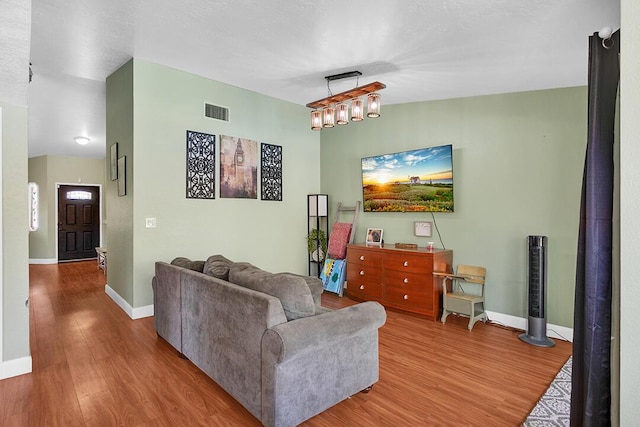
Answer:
x=411 y=181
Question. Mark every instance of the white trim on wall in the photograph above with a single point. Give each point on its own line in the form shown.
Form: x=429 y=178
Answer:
x=13 y=368
x=43 y=261
x=553 y=331
x=133 y=313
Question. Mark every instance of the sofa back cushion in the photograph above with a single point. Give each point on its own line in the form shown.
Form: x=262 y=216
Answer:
x=291 y=290
x=217 y=266
x=187 y=263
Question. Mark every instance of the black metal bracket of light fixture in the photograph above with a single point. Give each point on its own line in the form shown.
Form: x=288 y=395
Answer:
x=323 y=113
x=343 y=75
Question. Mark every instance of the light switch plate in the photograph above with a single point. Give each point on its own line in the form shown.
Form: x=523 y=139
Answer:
x=422 y=228
x=151 y=222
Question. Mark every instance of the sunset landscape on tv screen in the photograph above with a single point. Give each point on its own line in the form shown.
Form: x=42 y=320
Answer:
x=411 y=181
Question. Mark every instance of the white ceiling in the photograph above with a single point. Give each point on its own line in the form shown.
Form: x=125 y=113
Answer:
x=422 y=50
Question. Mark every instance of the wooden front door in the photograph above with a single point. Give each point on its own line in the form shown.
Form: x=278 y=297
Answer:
x=78 y=222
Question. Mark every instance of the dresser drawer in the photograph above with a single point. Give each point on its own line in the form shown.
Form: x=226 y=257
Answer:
x=364 y=256
x=365 y=287
x=405 y=278
x=408 y=298
x=364 y=272
x=408 y=262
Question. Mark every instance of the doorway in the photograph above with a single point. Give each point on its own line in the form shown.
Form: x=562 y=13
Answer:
x=78 y=222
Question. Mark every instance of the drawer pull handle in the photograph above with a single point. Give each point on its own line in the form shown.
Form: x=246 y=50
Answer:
x=406 y=263
x=406 y=280
x=405 y=297
x=361 y=257
x=362 y=272
x=361 y=287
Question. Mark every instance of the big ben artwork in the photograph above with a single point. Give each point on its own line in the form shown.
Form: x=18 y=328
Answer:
x=238 y=167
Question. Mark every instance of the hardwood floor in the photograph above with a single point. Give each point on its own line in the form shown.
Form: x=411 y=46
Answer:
x=93 y=366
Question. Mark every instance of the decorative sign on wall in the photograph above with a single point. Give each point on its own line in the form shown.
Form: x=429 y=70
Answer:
x=122 y=176
x=238 y=168
x=113 y=161
x=34 y=206
x=201 y=165
x=271 y=172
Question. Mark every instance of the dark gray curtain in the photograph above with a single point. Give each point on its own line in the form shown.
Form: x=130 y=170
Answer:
x=591 y=376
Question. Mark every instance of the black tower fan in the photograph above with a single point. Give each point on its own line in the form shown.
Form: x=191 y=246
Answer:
x=537 y=286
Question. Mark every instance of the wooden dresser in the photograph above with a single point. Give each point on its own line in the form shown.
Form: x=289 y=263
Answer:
x=397 y=278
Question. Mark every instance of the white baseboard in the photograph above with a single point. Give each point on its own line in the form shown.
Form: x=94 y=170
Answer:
x=43 y=261
x=553 y=331
x=15 y=367
x=133 y=313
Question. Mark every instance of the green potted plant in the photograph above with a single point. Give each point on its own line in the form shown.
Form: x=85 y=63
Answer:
x=317 y=244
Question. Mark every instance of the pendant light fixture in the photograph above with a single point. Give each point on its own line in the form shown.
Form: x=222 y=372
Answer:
x=373 y=105
x=357 y=107
x=328 y=117
x=316 y=120
x=333 y=104
x=342 y=113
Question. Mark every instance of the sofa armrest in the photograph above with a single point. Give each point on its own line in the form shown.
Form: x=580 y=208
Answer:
x=306 y=335
x=310 y=364
x=167 y=303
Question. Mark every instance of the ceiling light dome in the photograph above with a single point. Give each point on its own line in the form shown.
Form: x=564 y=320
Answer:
x=82 y=140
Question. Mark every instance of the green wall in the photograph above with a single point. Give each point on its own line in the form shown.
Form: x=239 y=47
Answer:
x=165 y=104
x=47 y=171
x=518 y=162
x=15 y=273
x=119 y=216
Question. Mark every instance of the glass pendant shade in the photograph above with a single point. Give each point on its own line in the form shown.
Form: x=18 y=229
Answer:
x=357 y=108
x=342 y=113
x=316 y=120
x=373 y=105
x=328 y=115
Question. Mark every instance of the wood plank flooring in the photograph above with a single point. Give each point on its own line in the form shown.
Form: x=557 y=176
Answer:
x=93 y=366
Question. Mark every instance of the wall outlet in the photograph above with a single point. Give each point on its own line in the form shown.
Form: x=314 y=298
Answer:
x=151 y=222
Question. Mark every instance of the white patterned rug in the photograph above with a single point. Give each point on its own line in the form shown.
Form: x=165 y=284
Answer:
x=554 y=408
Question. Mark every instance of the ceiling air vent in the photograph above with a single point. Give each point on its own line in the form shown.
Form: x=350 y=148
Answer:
x=216 y=112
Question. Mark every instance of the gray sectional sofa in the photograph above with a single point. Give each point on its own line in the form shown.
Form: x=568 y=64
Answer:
x=264 y=337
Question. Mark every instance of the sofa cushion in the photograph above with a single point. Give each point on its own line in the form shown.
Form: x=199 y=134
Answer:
x=217 y=266
x=187 y=263
x=291 y=290
x=316 y=288
x=338 y=239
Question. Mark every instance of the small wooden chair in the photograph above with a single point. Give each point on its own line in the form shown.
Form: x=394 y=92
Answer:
x=460 y=301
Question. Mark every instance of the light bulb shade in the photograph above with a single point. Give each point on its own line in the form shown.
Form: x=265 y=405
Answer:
x=318 y=204
x=373 y=105
x=316 y=120
x=328 y=117
x=357 y=108
x=342 y=113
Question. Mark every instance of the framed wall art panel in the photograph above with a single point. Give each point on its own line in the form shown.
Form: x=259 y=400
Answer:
x=201 y=165
x=271 y=172
x=238 y=168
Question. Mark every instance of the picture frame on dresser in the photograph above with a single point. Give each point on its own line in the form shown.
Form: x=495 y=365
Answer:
x=374 y=237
